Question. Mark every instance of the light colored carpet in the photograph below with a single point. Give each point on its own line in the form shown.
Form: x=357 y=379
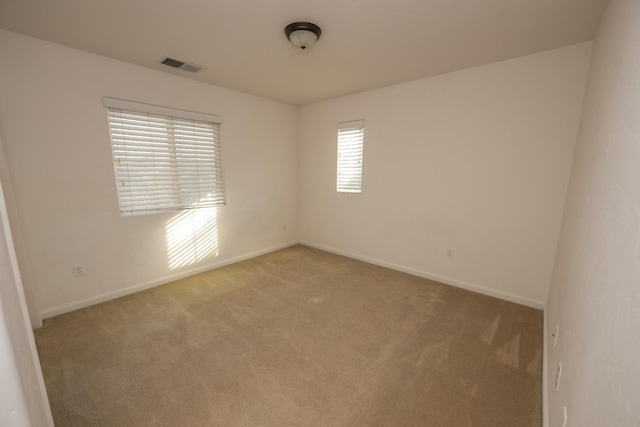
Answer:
x=298 y=337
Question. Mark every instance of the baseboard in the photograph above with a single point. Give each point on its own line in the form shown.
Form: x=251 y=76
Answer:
x=55 y=311
x=442 y=279
x=545 y=372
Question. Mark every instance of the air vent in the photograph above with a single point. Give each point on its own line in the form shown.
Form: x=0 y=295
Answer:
x=186 y=66
x=192 y=68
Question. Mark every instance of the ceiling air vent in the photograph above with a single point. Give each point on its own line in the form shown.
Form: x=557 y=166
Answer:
x=186 y=66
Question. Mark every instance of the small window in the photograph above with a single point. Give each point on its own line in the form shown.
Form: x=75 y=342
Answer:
x=350 y=149
x=165 y=159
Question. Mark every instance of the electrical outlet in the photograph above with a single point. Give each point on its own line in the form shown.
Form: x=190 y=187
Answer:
x=555 y=336
x=78 y=270
x=558 y=374
x=450 y=253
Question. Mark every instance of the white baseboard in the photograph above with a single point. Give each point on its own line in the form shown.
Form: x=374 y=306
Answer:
x=442 y=279
x=545 y=372
x=65 y=308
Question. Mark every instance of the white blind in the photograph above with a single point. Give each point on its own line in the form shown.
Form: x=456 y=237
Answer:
x=164 y=162
x=350 y=150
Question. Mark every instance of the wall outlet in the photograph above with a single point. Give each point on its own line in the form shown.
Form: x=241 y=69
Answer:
x=555 y=335
x=78 y=270
x=450 y=253
x=558 y=374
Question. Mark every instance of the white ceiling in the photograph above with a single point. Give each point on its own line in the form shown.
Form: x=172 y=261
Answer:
x=364 y=44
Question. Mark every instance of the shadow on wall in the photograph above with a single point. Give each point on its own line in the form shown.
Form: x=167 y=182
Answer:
x=192 y=236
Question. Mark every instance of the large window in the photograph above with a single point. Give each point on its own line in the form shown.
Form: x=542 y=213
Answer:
x=350 y=150
x=165 y=159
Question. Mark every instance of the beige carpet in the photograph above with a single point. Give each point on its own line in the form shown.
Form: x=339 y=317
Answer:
x=298 y=337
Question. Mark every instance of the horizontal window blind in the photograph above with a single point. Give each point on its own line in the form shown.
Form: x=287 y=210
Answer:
x=350 y=153
x=164 y=161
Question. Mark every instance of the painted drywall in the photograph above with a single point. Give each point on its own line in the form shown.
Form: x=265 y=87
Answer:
x=476 y=161
x=23 y=399
x=58 y=153
x=595 y=291
x=18 y=241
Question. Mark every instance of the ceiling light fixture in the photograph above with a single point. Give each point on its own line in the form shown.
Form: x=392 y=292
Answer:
x=303 y=35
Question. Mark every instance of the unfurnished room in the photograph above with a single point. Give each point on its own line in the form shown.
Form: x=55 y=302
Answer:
x=286 y=213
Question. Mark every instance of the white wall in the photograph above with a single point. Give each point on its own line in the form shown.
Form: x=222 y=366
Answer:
x=18 y=241
x=476 y=160
x=57 y=146
x=23 y=400
x=595 y=291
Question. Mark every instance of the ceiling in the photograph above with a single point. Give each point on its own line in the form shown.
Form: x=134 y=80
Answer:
x=364 y=44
